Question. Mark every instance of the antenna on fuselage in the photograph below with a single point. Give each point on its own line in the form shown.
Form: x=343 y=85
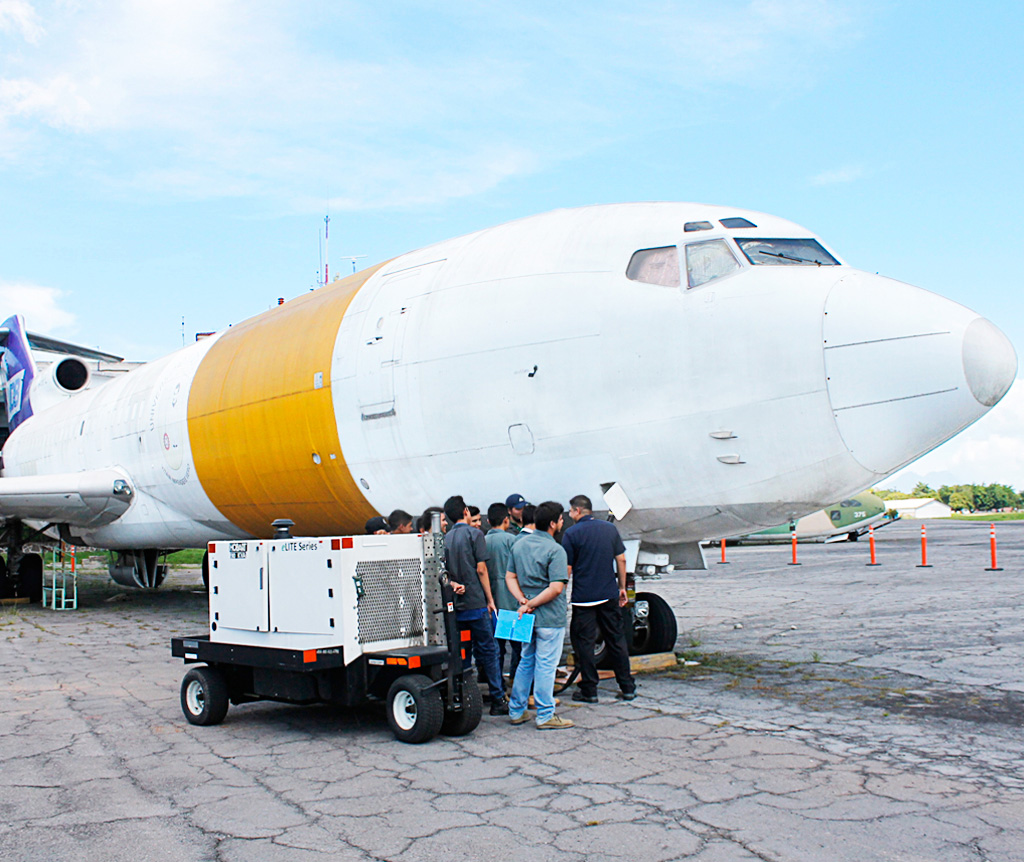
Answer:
x=353 y=258
x=327 y=247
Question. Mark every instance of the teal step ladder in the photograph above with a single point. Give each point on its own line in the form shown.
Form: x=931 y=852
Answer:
x=60 y=583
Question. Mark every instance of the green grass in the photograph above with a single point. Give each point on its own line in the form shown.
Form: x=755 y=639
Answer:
x=991 y=516
x=189 y=557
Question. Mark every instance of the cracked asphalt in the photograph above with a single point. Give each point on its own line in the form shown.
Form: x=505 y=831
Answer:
x=835 y=712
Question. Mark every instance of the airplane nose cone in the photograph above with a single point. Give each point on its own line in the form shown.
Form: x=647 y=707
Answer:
x=990 y=362
x=907 y=369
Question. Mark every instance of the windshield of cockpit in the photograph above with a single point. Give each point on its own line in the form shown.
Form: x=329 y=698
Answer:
x=786 y=252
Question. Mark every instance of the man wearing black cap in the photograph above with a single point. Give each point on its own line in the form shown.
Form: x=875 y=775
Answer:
x=377 y=526
x=515 y=503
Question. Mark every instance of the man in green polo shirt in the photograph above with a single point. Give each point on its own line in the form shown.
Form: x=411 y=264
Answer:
x=536 y=577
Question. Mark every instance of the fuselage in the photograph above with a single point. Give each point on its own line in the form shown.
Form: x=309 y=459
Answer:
x=724 y=388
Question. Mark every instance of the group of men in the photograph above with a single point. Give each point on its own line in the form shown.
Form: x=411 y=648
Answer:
x=519 y=566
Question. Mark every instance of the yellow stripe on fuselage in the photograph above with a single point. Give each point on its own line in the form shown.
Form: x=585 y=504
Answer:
x=258 y=424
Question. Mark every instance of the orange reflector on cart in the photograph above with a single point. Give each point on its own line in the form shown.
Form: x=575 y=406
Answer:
x=463 y=655
x=396 y=661
x=335 y=544
x=308 y=656
x=346 y=543
x=213 y=548
x=414 y=661
x=465 y=635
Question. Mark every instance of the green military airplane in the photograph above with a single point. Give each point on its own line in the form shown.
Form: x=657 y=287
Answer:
x=846 y=520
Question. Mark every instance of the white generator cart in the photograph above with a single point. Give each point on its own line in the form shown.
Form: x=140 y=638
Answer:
x=338 y=620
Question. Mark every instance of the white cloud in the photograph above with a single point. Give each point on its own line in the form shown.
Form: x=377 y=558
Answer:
x=207 y=98
x=845 y=174
x=989 y=451
x=40 y=306
x=18 y=16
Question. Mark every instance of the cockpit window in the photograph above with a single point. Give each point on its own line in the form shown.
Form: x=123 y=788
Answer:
x=786 y=252
x=655 y=266
x=697 y=225
x=736 y=222
x=706 y=261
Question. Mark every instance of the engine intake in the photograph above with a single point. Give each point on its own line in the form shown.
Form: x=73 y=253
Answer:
x=71 y=374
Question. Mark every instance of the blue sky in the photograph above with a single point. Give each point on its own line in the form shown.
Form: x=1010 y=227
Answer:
x=161 y=160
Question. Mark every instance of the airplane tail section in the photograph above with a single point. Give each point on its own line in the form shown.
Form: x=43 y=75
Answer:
x=17 y=371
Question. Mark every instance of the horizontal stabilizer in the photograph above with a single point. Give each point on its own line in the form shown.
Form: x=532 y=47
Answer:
x=91 y=498
x=53 y=345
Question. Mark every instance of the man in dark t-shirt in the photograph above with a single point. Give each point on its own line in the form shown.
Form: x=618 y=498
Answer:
x=466 y=558
x=597 y=566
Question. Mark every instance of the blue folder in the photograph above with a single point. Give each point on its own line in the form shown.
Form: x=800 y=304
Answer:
x=512 y=627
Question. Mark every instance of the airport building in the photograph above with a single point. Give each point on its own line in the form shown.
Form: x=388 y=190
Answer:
x=920 y=507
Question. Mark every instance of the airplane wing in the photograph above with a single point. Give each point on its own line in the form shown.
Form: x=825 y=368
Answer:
x=53 y=345
x=91 y=498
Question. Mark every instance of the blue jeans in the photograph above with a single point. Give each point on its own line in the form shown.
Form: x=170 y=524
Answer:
x=537 y=666
x=483 y=649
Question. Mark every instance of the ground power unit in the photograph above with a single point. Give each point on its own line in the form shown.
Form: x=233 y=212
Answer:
x=336 y=619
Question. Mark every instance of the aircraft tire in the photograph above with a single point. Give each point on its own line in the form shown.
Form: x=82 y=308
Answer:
x=30 y=579
x=204 y=696
x=662 y=628
x=462 y=723
x=415 y=710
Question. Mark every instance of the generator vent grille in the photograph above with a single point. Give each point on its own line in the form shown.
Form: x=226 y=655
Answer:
x=392 y=603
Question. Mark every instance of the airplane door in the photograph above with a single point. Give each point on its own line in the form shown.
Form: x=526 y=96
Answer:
x=375 y=383
x=380 y=345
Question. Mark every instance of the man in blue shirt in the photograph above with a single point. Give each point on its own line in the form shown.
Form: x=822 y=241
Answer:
x=466 y=560
x=597 y=564
x=537 y=575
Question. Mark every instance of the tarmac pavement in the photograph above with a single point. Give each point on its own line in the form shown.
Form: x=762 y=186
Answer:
x=836 y=712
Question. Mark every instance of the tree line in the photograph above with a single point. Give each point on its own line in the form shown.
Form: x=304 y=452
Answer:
x=963 y=498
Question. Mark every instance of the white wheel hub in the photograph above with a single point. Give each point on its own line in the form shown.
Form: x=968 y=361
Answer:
x=195 y=697
x=403 y=708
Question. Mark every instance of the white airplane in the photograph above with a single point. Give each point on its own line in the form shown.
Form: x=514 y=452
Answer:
x=706 y=371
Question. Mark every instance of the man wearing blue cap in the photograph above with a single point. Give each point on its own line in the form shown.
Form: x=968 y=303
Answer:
x=515 y=503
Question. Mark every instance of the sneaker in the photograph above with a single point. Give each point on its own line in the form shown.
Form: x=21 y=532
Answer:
x=499 y=707
x=556 y=722
x=580 y=697
x=530 y=703
x=626 y=695
x=522 y=719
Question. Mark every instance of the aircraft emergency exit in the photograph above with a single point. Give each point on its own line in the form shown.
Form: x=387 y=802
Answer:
x=715 y=371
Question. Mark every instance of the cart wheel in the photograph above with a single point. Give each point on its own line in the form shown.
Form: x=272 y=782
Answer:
x=206 y=570
x=661 y=631
x=204 y=696
x=415 y=711
x=461 y=723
